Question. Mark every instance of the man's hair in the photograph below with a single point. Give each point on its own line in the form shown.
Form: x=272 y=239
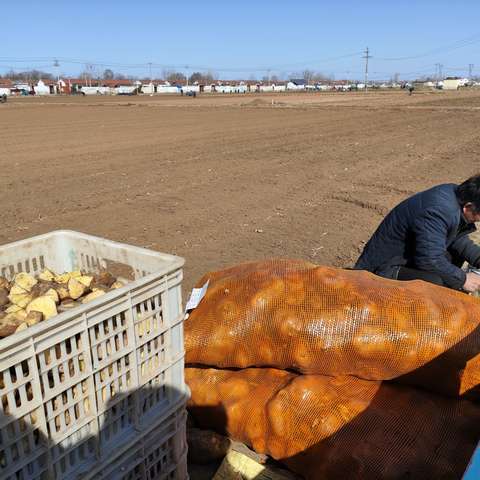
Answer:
x=469 y=192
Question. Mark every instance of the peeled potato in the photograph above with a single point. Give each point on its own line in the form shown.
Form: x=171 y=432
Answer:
x=17 y=290
x=45 y=305
x=100 y=288
x=13 y=309
x=51 y=292
x=20 y=299
x=25 y=281
x=62 y=291
x=92 y=296
x=75 y=288
x=20 y=315
x=63 y=278
x=67 y=304
x=85 y=280
x=47 y=275
x=15 y=317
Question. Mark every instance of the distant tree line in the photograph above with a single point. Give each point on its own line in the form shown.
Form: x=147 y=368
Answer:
x=172 y=76
x=203 y=78
x=28 y=75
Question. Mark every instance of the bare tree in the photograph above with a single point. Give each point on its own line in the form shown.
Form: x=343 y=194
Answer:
x=108 y=74
x=28 y=75
x=308 y=75
x=321 y=77
x=212 y=76
x=174 y=77
x=201 y=78
x=196 y=77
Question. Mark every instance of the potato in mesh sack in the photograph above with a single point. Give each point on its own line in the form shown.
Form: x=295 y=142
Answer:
x=320 y=320
x=323 y=427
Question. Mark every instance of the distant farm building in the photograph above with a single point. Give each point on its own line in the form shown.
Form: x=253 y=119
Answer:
x=296 y=84
x=451 y=83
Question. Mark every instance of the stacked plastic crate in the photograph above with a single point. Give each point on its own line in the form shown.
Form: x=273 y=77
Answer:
x=97 y=391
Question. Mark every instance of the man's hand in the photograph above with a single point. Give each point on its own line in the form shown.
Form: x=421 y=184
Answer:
x=472 y=283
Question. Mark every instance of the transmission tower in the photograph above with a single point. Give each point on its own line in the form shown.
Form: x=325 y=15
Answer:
x=438 y=71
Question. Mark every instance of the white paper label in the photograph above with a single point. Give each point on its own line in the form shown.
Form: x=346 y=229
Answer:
x=196 y=296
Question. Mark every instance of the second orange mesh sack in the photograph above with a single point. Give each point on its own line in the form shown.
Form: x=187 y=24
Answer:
x=320 y=320
x=345 y=428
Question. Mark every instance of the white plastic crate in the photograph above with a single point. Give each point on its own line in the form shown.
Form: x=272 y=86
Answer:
x=160 y=453
x=78 y=387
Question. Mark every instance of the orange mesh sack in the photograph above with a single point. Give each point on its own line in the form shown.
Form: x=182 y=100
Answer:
x=321 y=320
x=323 y=427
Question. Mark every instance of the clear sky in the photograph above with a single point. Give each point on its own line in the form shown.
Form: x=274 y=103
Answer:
x=243 y=38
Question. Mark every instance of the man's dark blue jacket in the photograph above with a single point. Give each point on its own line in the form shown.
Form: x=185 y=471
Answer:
x=427 y=232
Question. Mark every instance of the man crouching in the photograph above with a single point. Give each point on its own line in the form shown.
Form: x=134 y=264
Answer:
x=425 y=237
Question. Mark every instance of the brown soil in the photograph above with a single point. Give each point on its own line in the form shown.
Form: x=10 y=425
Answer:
x=225 y=179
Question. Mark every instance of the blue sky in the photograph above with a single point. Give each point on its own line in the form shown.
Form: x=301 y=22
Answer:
x=246 y=38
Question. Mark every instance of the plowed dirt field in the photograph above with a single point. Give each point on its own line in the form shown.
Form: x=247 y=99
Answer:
x=226 y=179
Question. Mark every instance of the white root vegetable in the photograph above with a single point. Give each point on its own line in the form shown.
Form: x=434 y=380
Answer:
x=13 y=309
x=76 y=289
x=47 y=275
x=45 y=305
x=85 y=280
x=62 y=291
x=63 y=278
x=17 y=290
x=20 y=299
x=25 y=281
x=92 y=296
x=51 y=292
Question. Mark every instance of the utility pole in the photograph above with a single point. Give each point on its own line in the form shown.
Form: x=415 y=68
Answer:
x=186 y=68
x=57 y=65
x=439 y=67
x=470 y=70
x=366 y=57
x=150 y=70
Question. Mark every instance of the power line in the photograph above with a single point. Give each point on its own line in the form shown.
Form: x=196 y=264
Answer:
x=453 y=46
x=179 y=66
